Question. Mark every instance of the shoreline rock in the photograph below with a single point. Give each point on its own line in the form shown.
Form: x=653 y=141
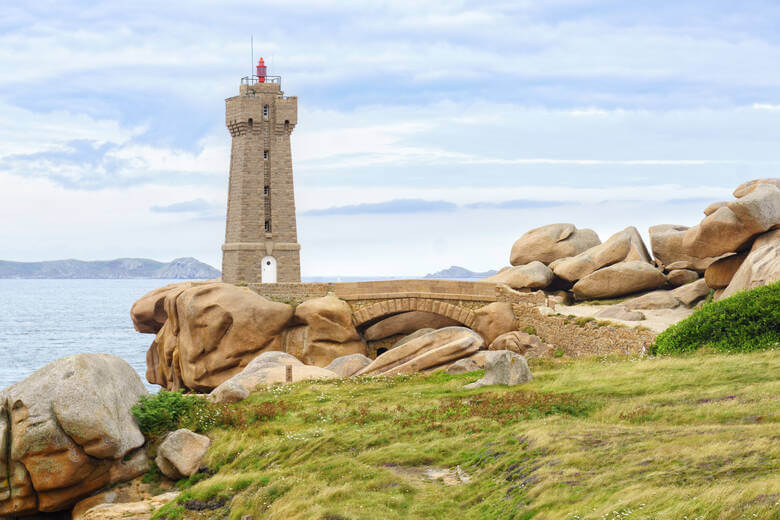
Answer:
x=70 y=432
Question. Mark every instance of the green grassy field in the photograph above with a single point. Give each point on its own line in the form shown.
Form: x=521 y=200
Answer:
x=693 y=437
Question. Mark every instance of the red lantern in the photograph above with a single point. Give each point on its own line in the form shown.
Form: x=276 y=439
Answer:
x=261 y=71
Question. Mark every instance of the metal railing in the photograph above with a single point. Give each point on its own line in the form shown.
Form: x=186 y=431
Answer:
x=251 y=80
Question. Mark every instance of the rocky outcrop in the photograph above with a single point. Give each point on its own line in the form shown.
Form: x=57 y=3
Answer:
x=267 y=369
x=624 y=246
x=67 y=431
x=549 y=243
x=406 y=323
x=731 y=227
x=180 y=453
x=719 y=274
x=619 y=280
x=212 y=332
x=760 y=267
x=347 y=366
x=534 y=275
x=494 y=319
x=141 y=509
x=522 y=343
x=678 y=277
x=434 y=349
x=666 y=241
x=326 y=332
x=148 y=313
x=503 y=367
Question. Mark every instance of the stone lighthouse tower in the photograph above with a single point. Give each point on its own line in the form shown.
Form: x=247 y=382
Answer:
x=261 y=238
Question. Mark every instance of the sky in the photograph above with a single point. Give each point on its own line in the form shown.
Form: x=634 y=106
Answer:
x=429 y=134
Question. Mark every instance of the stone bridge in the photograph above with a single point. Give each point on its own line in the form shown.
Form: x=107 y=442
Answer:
x=373 y=301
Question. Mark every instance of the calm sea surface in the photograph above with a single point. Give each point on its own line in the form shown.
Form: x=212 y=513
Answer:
x=44 y=320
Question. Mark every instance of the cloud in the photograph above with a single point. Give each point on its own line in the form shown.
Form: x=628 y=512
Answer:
x=452 y=120
x=309 y=198
x=189 y=206
x=516 y=204
x=390 y=207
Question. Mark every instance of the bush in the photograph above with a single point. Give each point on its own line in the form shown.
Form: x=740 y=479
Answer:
x=745 y=322
x=167 y=411
x=164 y=411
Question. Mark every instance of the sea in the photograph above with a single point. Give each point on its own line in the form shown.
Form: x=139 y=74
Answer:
x=44 y=320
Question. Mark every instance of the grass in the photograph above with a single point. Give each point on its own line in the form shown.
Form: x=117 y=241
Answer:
x=656 y=438
x=746 y=321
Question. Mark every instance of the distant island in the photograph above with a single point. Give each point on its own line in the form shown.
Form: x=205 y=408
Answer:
x=459 y=272
x=121 y=268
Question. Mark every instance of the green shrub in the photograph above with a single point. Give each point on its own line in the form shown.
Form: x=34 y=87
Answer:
x=167 y=411
x=745 y=322
x=528 y=329
x=164 y=411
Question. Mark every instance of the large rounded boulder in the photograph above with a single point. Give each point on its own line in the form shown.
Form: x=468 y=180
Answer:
x=432 y=350
x=494 y=319
x=503 y=367
x=747 y=187
x=619 y=280
x=534 y=275
x=267 y=369
x=212 y=332
x=760 y=267
x=406 y=323
x=730 y=228
x=67 y=431
x=326 y=333
x=666 y=241
x=624 y=246
x=148 y=313
x=719 y=274
x=551 y=242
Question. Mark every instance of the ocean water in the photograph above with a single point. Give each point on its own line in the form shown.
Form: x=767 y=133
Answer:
x=44 y=320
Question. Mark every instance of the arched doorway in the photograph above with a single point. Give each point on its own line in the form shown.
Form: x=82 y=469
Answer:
x=268 y=270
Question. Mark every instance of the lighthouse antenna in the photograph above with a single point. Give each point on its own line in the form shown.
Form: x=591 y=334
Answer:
x=252 y=61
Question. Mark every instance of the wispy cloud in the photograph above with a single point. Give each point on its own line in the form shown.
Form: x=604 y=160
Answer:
x=386 y=208
x=189 y=206
x=516 y=204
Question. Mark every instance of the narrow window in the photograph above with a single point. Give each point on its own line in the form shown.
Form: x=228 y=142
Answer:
x=266 y=190
x=265 y=155
x=265 y=111
x=286 y=125
x=251 y=123
x=267 y=226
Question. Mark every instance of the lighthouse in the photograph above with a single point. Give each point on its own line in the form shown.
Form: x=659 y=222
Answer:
x=261 y=237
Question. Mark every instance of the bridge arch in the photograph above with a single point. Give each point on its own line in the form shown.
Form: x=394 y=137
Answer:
x=373 y=312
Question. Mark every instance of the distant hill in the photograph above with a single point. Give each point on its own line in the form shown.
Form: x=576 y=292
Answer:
x=181 y=268
x=459 y=272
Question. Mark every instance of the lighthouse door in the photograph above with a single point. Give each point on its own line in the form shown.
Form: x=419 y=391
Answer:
x=268 y=271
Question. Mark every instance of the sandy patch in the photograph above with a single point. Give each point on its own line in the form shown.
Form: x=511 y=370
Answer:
x=657 y=320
